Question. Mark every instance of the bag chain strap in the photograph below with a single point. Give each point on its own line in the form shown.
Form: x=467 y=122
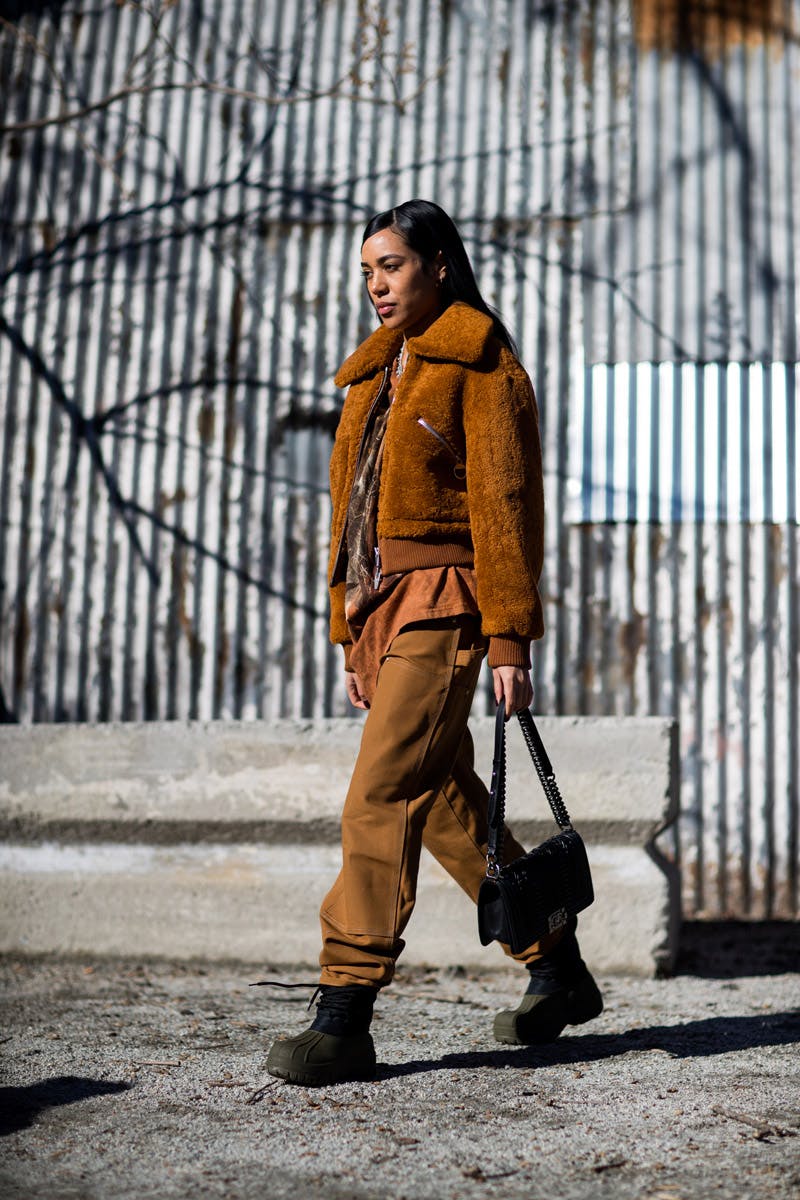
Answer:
x=497 y=794
x=544 y=769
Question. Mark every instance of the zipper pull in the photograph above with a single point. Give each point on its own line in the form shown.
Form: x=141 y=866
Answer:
x=377 y=576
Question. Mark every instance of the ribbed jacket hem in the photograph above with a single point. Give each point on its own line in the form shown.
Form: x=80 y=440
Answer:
x=399 y=555
x=503 y=652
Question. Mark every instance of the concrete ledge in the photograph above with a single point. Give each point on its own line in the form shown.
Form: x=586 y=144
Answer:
x=219 y=840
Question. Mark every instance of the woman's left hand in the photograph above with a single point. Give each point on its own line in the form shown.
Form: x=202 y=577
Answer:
x=514 y=685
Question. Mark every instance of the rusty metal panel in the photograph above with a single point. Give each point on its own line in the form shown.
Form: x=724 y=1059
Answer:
x=179 y=281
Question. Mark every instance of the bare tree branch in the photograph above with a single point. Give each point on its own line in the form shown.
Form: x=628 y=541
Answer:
x=369 y=48
x=82 y=430
x=38 y=47
x=85 y=432
x=147 y=70
x=156 y=17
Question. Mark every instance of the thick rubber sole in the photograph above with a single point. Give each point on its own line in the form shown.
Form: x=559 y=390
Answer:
x=322 y=1078
x=539 y=1020
x=314 y=1059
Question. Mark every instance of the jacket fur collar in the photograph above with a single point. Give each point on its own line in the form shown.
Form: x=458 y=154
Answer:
x=459 y=335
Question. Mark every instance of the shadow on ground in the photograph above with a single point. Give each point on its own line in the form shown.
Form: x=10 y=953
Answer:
x=730 y=949
x=695 y=1039
x=20 y=1106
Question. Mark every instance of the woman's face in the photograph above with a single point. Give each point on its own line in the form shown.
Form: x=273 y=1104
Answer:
x=403 y=288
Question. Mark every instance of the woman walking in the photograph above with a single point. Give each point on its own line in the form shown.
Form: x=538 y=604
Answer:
x=436 y=551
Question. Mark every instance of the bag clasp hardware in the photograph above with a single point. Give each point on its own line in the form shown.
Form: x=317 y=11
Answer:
x=557 y=920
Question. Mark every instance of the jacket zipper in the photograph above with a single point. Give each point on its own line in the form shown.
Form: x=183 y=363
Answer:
x=459 y=468
x=378 y=395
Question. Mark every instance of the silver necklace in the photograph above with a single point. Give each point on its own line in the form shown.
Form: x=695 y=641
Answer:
x=400 y=362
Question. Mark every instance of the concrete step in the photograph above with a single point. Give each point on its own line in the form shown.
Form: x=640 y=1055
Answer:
x=218 y=840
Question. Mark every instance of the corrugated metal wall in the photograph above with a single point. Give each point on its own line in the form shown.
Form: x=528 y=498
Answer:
x=180 y=280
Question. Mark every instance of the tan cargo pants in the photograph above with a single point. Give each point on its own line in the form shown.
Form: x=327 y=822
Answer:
x=414 y=784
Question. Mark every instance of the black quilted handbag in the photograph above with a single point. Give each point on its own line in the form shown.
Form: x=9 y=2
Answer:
x=537 y=893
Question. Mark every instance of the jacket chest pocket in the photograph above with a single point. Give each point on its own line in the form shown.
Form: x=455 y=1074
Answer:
x=459 y=466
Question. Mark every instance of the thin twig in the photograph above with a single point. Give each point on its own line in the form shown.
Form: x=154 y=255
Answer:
x=38 y=48
x=598 y=1168
x=259 y=1093
x=105 y=164
x=763 y=1128
x=156 y=19
x=221 y=89
x=447 y=1000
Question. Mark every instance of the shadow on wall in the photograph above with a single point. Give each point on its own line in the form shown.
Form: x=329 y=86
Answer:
x=14 y=9
x=20 y=1106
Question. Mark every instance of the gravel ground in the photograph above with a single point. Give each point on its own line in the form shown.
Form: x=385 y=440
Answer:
x=125 y=1080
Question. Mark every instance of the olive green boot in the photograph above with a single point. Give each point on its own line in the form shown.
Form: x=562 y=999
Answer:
x=561 y=992
x=338 y=1047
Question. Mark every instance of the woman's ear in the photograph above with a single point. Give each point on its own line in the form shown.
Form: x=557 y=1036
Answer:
x=440 y=269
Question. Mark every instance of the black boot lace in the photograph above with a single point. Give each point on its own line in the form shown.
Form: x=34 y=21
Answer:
x=342 y=1010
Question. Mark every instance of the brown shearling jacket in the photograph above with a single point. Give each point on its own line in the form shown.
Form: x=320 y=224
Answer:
x=461 y=478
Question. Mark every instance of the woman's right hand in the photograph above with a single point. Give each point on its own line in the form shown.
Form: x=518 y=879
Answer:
x=512 y=684
x=355 y=691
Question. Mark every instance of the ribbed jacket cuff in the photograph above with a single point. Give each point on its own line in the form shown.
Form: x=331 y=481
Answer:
x=509 y=652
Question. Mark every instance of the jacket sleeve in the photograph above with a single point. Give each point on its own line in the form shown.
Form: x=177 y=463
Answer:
x=339 y=633
x=505 y=492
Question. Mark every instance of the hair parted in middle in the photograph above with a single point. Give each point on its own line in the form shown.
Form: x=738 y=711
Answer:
x=429 y=232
